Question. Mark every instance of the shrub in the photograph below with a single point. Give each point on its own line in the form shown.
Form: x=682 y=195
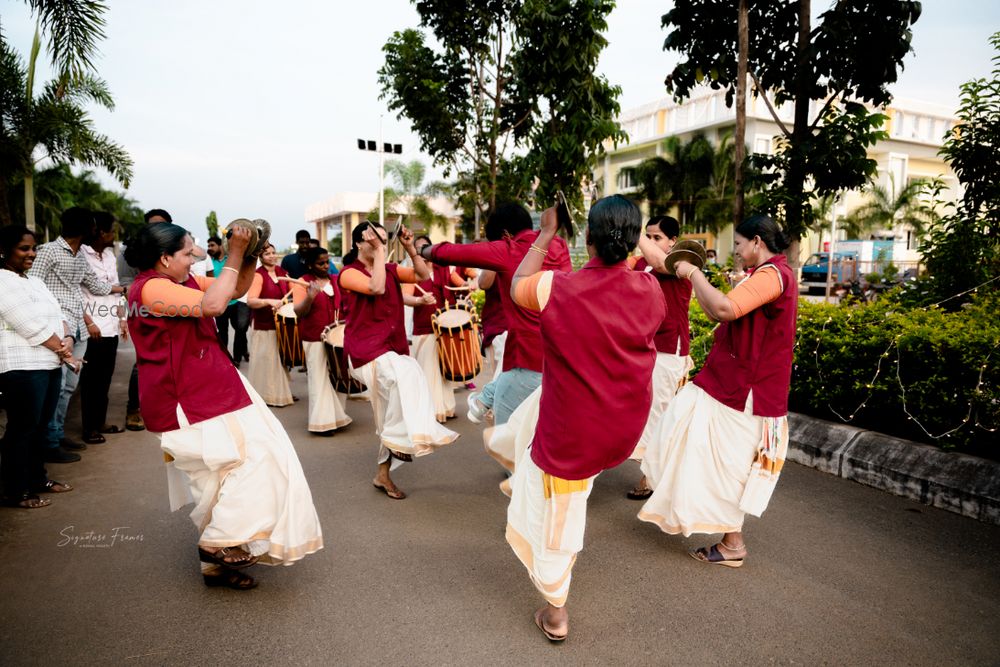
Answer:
x=871 y=364
x=915 y=373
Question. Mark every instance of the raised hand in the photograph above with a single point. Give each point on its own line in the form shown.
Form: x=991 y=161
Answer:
x=239 y=240
x=370 y=236
x=406 y=238
x=550 y=221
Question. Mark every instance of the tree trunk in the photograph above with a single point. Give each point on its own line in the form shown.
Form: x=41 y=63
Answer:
x=29 y=200
x=795 y=178
x=5 y=217
x=741 y=110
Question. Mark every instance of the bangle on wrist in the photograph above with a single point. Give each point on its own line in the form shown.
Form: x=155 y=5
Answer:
x=229 y=268
x=537 y=249
x=691 y=273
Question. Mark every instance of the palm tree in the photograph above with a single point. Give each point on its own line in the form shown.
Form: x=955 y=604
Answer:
x=885 y=211
x=74 y=27
x=412 y=195
x=715 y=203
x=55 y=122
x=684 y=176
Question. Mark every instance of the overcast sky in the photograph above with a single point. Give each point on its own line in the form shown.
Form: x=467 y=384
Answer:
x=253 y=108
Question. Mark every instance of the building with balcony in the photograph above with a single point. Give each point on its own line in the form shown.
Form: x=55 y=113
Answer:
x=915 y=129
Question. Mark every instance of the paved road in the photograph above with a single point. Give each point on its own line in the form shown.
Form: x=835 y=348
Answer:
x=838 y=574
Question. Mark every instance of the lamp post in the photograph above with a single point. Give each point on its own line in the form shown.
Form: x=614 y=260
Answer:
x=380 y=148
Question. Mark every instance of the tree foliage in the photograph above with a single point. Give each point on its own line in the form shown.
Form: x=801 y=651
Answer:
x=846 y=61
x=58 y=188
x=508 y=94
x=212 y=223
x=53 y=125
x=694 y=180
x=884 y=209
x=411 y=194
x=963 y=248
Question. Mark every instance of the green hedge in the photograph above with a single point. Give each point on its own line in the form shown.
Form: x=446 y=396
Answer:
x=939 y=356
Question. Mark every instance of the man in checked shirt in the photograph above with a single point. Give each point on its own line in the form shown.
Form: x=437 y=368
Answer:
x=63 y=269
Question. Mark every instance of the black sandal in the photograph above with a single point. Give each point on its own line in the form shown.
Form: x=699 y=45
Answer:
x=230 y=579
x=219 y=557
x=94 y=438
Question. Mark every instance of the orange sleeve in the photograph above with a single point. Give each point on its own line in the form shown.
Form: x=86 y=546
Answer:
x=632 y=260
x=761 y=288
x=533 y=292
x=409 y=289
x=204 y=282
x=406 y=274
x=457 y=280
x=165 y=297
x=255 y=286
x=354 y=280
x=298 y=293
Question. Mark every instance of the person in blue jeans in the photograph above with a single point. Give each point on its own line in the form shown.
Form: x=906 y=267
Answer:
x=64 y=269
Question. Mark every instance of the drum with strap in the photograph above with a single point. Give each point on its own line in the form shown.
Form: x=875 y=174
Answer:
x=289 y=343
x=457 y=332
x=340 y=374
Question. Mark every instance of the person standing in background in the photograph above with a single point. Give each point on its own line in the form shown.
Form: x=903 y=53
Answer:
x=237 y=312
x=64 y=270
x=102 y=347
x=294 y=264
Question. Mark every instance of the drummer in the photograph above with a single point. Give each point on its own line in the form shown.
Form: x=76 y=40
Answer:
x=522 y=363
x=375 y=343
x=267 y=375
x=316 y=306
x=424 y=342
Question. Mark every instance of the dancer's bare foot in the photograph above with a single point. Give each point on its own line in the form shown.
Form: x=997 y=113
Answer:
x=553 y=622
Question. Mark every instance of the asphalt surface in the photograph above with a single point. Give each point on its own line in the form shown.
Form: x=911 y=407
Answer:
x=837 y=574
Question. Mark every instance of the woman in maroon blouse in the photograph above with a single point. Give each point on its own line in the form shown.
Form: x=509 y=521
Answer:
x=267 y=375
x=316 y=307
x=722 y=442
x=597 y=329
x=379 y=356
x=225 y=450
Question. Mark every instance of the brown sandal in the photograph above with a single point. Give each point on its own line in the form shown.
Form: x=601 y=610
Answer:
x=240 y=558
x=393 y=493
x=231 y=579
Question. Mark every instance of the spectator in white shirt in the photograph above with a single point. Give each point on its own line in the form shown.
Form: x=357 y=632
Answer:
x=34 y=342
x=106 y=312
x=63 y=269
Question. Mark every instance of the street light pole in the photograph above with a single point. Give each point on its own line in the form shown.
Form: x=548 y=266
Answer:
x=381 y=175
x=380 y=148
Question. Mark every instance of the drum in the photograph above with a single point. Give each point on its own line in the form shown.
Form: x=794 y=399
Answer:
x=289 y=343
x=457 y=332
x=340 y=375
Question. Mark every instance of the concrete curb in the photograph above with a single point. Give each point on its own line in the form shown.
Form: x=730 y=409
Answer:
x=959 y=483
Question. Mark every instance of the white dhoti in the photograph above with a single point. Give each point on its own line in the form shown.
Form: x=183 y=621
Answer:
x=424 y=350
x=244 y=477
x=266 y=373
x=507 y=443
x=495 y=354
x=709 y=465
x=404 y=413
x=326 y=406
x=669 y=374
x=546 y=520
